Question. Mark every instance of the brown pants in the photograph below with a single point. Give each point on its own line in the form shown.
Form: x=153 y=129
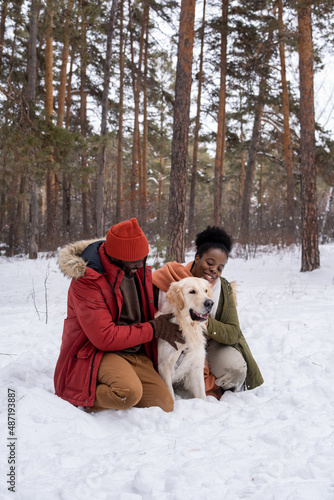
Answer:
x=126 y=380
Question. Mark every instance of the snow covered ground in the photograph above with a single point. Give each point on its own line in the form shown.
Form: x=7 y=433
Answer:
x=276 y=442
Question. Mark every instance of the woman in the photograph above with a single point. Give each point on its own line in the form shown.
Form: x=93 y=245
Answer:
x=231 y=365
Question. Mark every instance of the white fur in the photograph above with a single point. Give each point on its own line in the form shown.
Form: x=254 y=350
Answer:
x=189 y=293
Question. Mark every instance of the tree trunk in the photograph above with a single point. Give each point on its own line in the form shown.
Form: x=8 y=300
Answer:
x=253 y=148
x=119 y=194
x=260 y=201
x=221 y=130
x=66 y=203
x=83 y=122
x=250 y=169
x=63 y=69
x=290 y=226
x=12 y=243
x=310 y=243
x=143 y=193
x=66 y=206
x=160 y=178
x=3 y=194
x=136 y=84
x=105 y=99
x=31 y=96
x=161 y=162
x=19 y=217
x=51 y=180
x=242 y=162
x=69 y=86
x=33 y=240
x=191 y=216
x=178 y=175
x=2 y=28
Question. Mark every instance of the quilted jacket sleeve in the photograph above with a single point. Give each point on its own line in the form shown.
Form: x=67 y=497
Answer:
x=225 y=327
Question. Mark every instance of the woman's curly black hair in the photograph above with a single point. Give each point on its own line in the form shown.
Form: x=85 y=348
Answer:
x=213 y=237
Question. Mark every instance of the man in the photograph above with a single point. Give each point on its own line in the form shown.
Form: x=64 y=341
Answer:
x=108 y=350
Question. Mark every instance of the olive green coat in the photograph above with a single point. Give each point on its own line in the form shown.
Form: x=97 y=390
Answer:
x=225 y=329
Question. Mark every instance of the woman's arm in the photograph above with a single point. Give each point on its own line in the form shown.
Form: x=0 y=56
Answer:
x=226 y=329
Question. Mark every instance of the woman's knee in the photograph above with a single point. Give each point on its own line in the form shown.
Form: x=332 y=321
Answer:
x=228 y=367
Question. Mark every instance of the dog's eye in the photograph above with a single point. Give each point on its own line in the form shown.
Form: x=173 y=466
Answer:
x=192 y=291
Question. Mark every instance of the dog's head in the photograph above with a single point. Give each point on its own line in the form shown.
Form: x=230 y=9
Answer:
x=193 y=295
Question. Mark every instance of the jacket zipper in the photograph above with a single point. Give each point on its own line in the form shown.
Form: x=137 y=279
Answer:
x=91 y=373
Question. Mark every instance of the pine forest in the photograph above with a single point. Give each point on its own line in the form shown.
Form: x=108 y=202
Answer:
x=179 y=113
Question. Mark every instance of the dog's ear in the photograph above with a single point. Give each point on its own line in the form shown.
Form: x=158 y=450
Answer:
x=175 y=296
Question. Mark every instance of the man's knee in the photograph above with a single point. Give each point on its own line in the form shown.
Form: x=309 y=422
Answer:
x=130 y=395
x=117 y=398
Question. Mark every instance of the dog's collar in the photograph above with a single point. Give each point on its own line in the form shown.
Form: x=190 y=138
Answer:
x=180 y=359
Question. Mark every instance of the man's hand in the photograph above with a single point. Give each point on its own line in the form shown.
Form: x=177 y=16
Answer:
x=165 y=330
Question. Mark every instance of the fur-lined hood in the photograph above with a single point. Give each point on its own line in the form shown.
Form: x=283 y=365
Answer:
x=70 y=261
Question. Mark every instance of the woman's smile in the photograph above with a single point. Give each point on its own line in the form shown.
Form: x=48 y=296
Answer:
x=210 y=265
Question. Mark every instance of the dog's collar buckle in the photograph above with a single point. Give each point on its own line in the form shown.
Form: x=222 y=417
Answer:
x=179 y=361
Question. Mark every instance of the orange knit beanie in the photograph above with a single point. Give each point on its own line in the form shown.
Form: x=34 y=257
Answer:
x=126 y=241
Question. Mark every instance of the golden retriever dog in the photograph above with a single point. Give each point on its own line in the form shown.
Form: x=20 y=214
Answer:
x=190 y=302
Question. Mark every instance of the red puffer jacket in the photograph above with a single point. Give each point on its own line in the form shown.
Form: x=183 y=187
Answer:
x=93 y=307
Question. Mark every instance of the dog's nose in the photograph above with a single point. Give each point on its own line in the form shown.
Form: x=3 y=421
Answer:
x=208 y=303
